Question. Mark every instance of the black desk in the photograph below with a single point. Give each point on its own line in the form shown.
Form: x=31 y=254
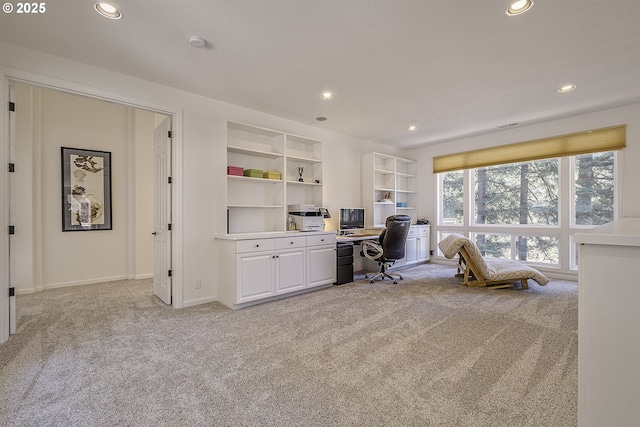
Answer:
x=345 y=253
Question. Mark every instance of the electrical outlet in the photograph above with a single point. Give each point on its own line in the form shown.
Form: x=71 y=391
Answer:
x=198 y=283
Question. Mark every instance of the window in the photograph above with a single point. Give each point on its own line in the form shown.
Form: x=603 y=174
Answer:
x=528 y=211
x=594 y=188
x=452 y=198
x=523 y=193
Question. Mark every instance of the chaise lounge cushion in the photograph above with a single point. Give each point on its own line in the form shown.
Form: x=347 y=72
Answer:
x=492 y=269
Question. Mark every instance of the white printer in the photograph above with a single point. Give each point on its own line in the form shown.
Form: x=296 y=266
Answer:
x=308 y=217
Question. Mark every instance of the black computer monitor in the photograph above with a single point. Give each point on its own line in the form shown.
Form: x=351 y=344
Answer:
x=351 y=219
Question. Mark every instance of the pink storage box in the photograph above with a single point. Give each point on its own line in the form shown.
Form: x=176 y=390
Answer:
x=234 y=170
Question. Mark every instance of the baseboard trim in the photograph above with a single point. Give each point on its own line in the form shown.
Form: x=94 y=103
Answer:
x=198 y=301
x=84 y=282
x=143 y=276
x=25 y=291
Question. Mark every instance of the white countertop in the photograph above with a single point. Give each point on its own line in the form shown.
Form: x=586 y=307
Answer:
x=271 y=235
x=622 y=232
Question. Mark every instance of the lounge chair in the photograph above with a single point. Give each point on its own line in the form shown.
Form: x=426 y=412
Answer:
x=477 y=270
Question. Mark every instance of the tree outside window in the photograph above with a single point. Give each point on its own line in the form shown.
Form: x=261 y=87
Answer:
x=515 y=208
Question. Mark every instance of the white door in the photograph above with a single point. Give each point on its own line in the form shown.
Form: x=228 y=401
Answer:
x=162 y=217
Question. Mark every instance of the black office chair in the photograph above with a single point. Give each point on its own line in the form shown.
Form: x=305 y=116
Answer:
x=390 y=246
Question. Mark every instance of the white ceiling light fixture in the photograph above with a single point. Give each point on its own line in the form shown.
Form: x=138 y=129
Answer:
x=197 y=42
x=412 y=127
x=519 y=7
x=566 y=88
x=108 y=11
x=327 y=95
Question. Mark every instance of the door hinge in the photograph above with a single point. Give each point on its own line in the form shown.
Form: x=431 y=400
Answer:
x=12 y=292
x=12 y=230
x=170 y=134
x=169 y=227
x=12 y=106
x=170 y=180
x=169 y=273
x=12 y=167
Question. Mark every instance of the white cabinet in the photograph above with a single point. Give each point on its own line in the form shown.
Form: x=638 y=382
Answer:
x=289 y=264
x=609 y=324
x=258 y=204
x=252 y=270
x=389 y=187
x=418 y=244
x=263 y=274
x=321 y=260
x=255 y=276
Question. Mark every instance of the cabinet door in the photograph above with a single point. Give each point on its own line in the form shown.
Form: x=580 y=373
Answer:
x=289 y=271
x=411 y=252
x=255 y=276
x=321 y=265
x=423 y=248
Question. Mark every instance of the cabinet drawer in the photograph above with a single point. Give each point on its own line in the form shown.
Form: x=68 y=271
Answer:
x=345 y=250
x=321 y=239
x=291 y=242
x=254 y=245
x=418 y=230
x=345 y=260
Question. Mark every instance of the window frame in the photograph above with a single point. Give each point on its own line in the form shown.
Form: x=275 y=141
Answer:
x=563 y=231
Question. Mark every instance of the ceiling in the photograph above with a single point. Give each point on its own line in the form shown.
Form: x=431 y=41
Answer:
x=451 y=68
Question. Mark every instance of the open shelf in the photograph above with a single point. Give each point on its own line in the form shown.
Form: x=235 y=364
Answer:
x=386 y=176
x=254 y=204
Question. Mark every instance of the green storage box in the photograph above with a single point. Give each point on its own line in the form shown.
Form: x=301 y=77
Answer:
x=272 y=175
x=253 y=173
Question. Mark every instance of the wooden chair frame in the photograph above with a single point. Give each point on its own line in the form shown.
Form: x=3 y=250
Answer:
x=469 y=270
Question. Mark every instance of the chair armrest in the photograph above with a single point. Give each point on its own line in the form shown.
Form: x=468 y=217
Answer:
x=371 y=250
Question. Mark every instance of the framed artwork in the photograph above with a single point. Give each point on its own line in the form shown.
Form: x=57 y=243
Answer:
x=86 y=189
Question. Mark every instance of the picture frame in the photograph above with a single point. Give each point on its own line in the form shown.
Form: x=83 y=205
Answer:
x=86 y=189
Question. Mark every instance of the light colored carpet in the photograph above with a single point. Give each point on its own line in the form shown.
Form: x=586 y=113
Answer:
x=424 y=352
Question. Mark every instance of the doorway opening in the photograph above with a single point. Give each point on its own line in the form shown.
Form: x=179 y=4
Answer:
x=40 y=164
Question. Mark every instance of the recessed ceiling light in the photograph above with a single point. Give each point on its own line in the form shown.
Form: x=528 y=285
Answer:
x=321 y=119
x=519 y=7
x=108 y=11
x=566 y=88
x=412 y=127
x=327 y=95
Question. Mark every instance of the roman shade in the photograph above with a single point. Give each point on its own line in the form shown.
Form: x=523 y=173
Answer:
x=592 y=141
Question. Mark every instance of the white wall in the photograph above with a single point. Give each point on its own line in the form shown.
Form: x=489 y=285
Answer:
x=196 y=141
x=47 y=257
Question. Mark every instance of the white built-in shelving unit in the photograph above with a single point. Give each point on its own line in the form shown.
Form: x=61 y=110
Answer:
x=256 y=205
x=395 y=177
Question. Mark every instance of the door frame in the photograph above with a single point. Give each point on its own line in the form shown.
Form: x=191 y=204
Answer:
x=11 y=75
x=4 y=213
